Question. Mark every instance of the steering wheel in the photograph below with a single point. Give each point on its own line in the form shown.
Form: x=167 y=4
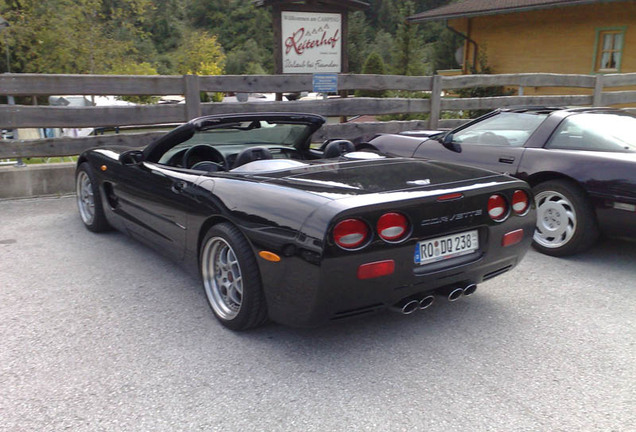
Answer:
x=203 y=153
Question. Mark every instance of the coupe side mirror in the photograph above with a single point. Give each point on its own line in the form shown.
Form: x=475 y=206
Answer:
x=447 y=141
x=132 y=157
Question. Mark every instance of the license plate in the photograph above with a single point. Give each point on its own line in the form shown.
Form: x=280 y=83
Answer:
x=446 y=247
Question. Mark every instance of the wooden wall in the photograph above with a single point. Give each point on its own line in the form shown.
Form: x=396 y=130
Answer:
x=558 y=40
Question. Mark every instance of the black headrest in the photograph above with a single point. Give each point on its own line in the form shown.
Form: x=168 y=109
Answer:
x=337 y=148
x=252 y=154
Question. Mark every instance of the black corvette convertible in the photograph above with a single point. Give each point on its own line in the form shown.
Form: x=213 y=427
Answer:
x=279 y=230
x=580 y=162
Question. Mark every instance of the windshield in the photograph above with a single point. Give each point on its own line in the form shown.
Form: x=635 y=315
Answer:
x=596 y=132
x=503 y=129
x=230 y=138
x=256 y=132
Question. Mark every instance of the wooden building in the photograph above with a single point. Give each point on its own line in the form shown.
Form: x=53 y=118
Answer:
x=546 y=36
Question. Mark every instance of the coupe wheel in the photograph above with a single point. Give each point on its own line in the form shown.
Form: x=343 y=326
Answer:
x=89 y=201
x=231 y=278
x=566 y=223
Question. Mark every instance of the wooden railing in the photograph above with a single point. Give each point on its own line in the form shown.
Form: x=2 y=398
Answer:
x=439 y=88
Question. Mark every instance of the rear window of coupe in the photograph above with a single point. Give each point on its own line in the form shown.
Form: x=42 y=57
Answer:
x=595 y=132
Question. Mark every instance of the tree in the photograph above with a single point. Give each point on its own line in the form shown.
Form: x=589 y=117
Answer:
x=136 y=69
x=444 y=44
x=373 y=65
x=200 y=54
x=236 y=22
x=71 y=36
x=410 y=47
x=358 y=40
x=245 y=60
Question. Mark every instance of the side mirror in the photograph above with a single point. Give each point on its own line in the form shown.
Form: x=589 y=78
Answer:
x=132 y=157
x=447 y=141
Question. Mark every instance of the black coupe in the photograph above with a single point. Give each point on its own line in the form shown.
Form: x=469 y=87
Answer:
x=303 y=236
x=581 y=164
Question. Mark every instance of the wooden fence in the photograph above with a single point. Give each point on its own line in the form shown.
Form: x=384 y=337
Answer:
x=601 y=90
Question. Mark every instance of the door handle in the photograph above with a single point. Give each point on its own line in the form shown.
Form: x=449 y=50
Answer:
x=507 y=159
x=178 y=187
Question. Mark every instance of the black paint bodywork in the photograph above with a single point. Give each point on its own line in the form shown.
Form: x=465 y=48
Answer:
x=608 y=178
x=291 y=212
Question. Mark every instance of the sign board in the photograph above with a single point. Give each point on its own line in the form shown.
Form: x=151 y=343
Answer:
x=325 y=83
x=311 y=42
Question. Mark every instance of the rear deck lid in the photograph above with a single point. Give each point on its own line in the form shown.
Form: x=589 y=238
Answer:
x=377 y=176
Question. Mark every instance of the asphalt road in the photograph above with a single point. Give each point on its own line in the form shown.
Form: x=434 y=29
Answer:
x=98 y=332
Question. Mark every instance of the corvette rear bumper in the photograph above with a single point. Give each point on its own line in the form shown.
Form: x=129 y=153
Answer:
x=308 y=295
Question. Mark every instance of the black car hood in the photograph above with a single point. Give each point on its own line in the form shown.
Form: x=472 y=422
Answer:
x=376 y=176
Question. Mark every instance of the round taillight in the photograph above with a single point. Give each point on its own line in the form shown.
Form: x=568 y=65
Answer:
x=350 y=233
x=392 y=227
x=520 y=202
x=497 y=208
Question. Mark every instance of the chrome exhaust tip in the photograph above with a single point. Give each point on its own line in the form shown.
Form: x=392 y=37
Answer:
x=455 y=294
x=406 y=307
x=470 y=289
x=426 y=302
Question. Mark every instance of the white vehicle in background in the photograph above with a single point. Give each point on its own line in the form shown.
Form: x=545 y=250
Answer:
x=79 y=101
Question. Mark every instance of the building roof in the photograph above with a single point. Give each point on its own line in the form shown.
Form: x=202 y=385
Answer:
x=471 y=8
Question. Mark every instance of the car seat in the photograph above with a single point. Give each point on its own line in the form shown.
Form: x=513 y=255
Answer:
x=252 y=154
x=337 y=148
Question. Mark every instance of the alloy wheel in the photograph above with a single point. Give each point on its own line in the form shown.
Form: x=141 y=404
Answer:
x=85 y=198
x=556 y=219
x=222 y=278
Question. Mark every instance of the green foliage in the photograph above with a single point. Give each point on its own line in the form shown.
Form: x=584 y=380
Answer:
x=408 y=95
x=358 y=41
x=247 y=59
x=482 y=67
x=136 y=69
x=104 y=36
x=373 y=65
x=410 y=56
x=71 y=36
x=443 y=45
x=385 y=45
x=200 y=54
x=236 y=22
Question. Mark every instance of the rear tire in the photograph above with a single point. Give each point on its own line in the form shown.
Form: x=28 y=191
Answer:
x=89 y=199
x=566 y=223
x=231 y=278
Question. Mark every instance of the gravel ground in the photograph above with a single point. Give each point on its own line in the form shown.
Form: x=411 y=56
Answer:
x=100 y=333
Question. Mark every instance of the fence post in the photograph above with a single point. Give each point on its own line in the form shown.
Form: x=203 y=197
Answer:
x=436 y=102
x=597 y=99
x=192 y=95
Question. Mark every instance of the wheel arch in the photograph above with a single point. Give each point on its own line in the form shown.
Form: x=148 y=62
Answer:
x=81 y=159
x=209 y=223
x=541 y=177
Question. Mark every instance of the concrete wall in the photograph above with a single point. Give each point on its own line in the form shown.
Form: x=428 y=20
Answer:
x=37 y=180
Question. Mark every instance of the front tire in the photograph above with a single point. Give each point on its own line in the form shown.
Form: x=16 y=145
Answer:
x=566 y=223
x=89 y=201
x=231 y=278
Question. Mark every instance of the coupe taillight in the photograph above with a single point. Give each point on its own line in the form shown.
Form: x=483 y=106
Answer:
x=392 y=227
x=497 y=208
x=520 y=202
x=351 y=233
